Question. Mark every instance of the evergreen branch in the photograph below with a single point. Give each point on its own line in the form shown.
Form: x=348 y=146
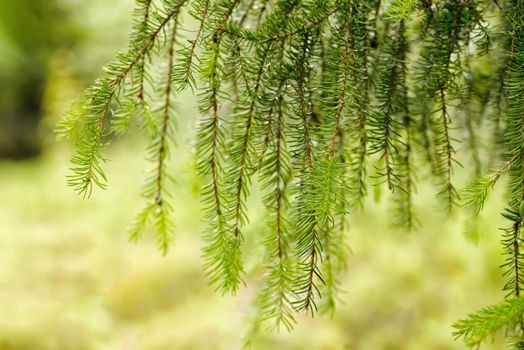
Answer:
x=123 y=117
x=238 y=68
x=472 y=139
x=70 y=125
x=242 y=155
x=302 y=93
x=386 y=131
x=98 y=100
x=407 y=180
x=268 y=105
x=483 y=324
x=440 y=64
x=223 y=265
x=184 y=69
x=119 y=70
x=513 y=265
x=142 y=13
x=87 y=163
x=318 y=205
x=319 y=201
x=357 y=128
x=217 y=239
x=163 y=225
x=299 y=25
x=157 y=207
x=401 y=9
x=303 y=107
x=221 y=252
x=335 y=246
x=444 y=148
x=405 y=216
x=476 y=193
x=276 y=305
x=446 y=151
x=512 y=240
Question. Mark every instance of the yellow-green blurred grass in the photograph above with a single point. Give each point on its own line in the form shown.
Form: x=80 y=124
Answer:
x=69 y=279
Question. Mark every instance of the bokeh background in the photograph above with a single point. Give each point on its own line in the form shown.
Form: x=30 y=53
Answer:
x=69 y=279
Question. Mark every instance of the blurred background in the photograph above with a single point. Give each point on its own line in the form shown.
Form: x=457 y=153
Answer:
x=69 y=279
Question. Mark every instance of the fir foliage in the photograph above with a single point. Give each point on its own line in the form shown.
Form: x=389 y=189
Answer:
x=487 y=322
x=307 y=98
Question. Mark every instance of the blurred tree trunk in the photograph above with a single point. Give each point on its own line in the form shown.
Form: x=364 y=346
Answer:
x=29 y=32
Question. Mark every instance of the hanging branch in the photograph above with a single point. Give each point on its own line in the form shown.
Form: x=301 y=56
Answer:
x=512 y=240
x=200 y=10
x=359 y=109
x=405 y=179
x=222 y=249
x=158 y=207
x=319 y=200
x=276 y=170
x=300 y=95
x=87 y=120
x=386 y=125
x=142 y=13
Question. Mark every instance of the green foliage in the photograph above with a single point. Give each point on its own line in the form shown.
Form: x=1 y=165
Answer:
x=476 y=193
x=302 y=97
x=402 y=9
x=487 y=322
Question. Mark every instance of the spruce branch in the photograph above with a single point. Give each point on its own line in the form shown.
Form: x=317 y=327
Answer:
x=155 y=192
x=277 y=285
x=359 y=110
x=386 y=126
x=300 y=96
x=200 y=10
x=98 y=106
x=476 y=193
x=478 y=327
x=319 y=201
x=222 y=249
x=401 y=9
x=142 y=13
x=301 y=23
x=512 y=240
